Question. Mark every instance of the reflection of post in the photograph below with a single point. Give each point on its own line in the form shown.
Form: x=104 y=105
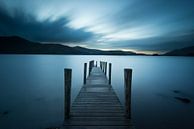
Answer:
x=128 y=80
x=96 y=63
x=109 y=75
x=67 y=76
x=85 y=72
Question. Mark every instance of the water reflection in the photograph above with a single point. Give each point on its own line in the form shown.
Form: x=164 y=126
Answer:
x=32 y=88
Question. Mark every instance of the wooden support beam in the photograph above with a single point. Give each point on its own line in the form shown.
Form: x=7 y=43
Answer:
x=91 y=65
x=109 y=75
x=100 y=64
x=105 y=67
x=67 y=94
x=85 y=72
x=128 y=81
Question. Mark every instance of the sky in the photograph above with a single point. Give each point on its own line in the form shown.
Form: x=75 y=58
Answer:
x=151 y=26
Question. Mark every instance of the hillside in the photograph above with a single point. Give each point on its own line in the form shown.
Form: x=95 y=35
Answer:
x=188 y=51
x=18 y=45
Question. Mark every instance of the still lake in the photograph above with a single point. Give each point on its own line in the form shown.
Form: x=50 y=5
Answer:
x=32 y=89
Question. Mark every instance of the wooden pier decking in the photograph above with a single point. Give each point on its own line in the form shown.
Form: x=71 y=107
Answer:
x=97 y=106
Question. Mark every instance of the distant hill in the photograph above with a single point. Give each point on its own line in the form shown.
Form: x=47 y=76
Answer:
x=18 y=45
x=188 y=51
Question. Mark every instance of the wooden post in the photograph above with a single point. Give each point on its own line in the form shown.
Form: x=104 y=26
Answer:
x=128 y=80
x=67 y=78
x=109 y=75
x=105 y=68
x=102 y=66
x=85 y=72
x=96 y=63
x=89 y=68
x=91 y=65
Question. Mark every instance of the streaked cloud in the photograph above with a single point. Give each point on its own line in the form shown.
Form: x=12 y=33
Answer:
x=105 y=24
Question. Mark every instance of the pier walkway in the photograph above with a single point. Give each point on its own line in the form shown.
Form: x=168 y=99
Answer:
x=97 y=106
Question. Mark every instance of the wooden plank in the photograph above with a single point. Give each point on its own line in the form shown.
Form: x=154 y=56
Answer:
x=99 y=114
x=99 y=118
x=90 y=122
x=96 y=108
x=96 y=127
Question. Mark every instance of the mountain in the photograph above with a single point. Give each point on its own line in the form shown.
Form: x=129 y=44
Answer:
x=18 y=45
x=187 y=51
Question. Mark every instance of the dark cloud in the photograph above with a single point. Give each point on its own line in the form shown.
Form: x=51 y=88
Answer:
x=27 y=26
x=159 y=12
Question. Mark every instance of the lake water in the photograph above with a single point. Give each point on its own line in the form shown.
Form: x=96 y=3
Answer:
x=31 y=89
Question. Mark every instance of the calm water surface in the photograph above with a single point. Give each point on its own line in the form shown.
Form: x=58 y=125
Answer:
x=31 y=89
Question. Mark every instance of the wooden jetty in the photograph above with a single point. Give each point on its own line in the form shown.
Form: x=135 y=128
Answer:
x=97 y=105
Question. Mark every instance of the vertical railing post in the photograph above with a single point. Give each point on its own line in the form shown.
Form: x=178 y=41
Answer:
x=128 y=81
x=85 y=72
x=109 y=75
x=90 y=67
x=92 y=63
x=105 y=68
x=102 y=66
x=67 y=84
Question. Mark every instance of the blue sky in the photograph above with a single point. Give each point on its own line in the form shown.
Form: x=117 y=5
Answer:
x=150 y=26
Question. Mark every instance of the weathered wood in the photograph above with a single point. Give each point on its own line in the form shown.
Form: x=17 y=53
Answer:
x=85 y=72
x=67 y=78
x=98 y=126
x=105 y=68
x=91 y=65
x=102 y=66
x=100 y=121
x=97 y=105
x=109 y=73
x=128 y=80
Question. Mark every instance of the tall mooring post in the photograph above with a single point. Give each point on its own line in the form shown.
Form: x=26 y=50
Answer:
x=105 y=68
x=67 y=92
x=102 y=66
x=91 y=65
x=109 y=73
x=128 y=81
x=85 y=72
